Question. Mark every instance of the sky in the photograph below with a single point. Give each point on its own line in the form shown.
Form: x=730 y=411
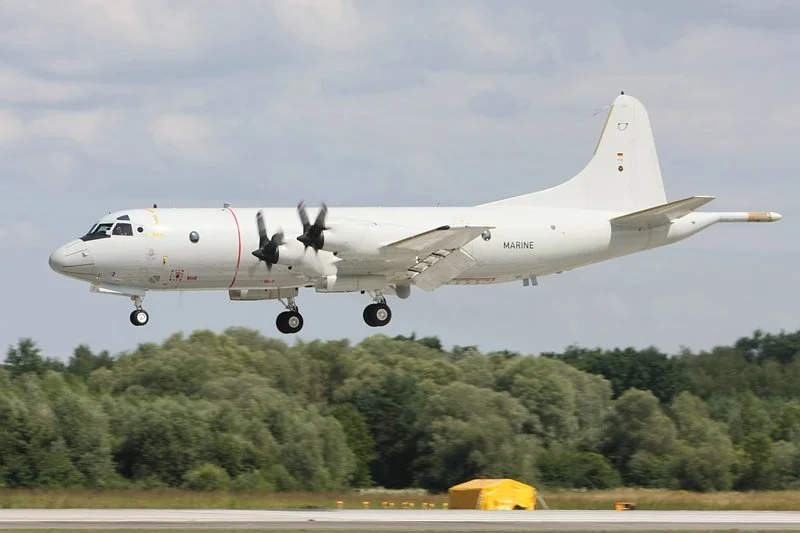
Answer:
x=117 y=104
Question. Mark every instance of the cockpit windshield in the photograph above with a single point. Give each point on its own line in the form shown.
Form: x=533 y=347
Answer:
x=104 y=230
x=98 y=231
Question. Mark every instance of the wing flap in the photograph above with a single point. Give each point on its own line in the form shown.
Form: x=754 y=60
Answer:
x=661 y=215
x=440 y=267
x=441 y=238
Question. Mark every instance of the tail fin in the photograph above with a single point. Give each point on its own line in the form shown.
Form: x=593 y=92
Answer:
x=623 y=174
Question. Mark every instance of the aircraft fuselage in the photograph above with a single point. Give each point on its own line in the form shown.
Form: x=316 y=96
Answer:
x=160 y=253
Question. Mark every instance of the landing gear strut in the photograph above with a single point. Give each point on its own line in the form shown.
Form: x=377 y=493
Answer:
x=289 y=321
x=139 y=317
x=377 y=314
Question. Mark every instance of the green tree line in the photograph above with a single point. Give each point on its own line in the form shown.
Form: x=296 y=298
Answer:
x=241 y=411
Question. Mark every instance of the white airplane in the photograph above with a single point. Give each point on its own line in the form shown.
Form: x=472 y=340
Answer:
x=614 y=207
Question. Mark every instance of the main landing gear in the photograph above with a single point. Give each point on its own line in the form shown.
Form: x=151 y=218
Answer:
x=289 y=321
x=377 y=314
x=139 y=316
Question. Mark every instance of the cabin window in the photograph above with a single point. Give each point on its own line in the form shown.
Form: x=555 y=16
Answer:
x=122 y=229
x=194 y=236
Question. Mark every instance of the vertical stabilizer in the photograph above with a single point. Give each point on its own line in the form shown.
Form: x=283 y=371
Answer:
x=622 y=175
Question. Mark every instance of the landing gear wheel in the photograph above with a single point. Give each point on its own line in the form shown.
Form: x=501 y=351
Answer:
x=289 y=322
x=139 y=317
x=377 y=315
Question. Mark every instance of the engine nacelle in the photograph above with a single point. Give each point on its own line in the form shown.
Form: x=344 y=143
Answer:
x=306 y=261
x=352 y=239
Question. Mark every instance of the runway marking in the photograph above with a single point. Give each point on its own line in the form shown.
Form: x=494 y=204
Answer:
x=408 y=520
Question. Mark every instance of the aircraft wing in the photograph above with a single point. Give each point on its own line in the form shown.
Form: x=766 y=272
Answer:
x=441 y=238
x=438 y=254
x=661 y=215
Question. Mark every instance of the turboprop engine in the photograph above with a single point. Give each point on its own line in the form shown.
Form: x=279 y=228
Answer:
x=275 y=250
x=345 y=237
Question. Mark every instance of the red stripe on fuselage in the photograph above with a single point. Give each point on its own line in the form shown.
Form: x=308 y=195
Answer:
x=239 y=256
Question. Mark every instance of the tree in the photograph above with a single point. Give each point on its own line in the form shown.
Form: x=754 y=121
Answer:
x=640 y=440
x=27 y=358
x=359 y=440
x=390 y=410
x=83 y=362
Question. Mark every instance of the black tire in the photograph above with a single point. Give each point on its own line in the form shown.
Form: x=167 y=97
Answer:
x=289 y=322
x=377 y=315
x=369 y=315
x=139 y=317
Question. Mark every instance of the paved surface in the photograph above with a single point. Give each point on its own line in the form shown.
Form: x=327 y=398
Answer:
x=409 y=520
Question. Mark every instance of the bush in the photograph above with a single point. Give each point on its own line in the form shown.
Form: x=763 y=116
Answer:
x=206 y=477
x=251 y=481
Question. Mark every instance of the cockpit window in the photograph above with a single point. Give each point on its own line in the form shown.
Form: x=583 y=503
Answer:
x=122 y=229
x=98 y=231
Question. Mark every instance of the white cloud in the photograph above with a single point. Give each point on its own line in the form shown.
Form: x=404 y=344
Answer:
x=19 y=234
x=191 y=138
x=331 y=24
x=11 y=129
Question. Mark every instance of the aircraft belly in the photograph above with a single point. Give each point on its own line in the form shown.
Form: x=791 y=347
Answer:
x=258 y=277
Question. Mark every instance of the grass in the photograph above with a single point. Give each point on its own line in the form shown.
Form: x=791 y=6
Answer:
x=185 y=499
x=128 y=530
x=561 y=499
x=660 y=499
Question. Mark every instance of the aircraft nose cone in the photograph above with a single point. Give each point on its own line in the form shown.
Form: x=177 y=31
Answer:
x=72 y=259
x=58 y=259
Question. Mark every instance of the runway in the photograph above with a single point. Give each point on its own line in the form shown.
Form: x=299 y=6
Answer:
x=408 y=520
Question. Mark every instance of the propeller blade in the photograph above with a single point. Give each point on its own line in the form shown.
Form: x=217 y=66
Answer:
x=301 y=210
x=312 y=234
x=267 y=250
x=277 y=238
x=319 y=223
x=262 y=230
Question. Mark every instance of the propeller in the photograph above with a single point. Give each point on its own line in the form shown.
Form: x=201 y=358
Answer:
x=312 y=233
x=267 y=246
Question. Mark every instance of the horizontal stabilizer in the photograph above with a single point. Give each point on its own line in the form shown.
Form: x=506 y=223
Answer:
x=661 y=215
x=441 y=238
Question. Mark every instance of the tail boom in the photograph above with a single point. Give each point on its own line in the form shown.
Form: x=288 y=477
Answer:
x=750 y=216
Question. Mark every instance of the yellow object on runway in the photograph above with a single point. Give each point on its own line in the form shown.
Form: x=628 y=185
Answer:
x=492 y=495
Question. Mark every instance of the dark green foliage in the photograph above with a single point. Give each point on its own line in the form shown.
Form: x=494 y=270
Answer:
x=390 y=409
x=359 y=440
x=26 y=358
x=626 y=369
x=240 y=411
x=83 y=362
x=577 y=469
